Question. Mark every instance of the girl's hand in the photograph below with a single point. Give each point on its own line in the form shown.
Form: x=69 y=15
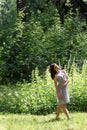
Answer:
x=65 y=84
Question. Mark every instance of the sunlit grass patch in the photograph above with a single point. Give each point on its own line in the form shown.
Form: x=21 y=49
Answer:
x=78 y=121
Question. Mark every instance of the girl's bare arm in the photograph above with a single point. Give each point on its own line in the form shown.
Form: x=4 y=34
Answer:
x=65 y=84
x=65 y=74
x=67 y=81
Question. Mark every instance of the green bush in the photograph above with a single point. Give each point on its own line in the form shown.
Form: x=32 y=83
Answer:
x=39 y=96
x=78 y=88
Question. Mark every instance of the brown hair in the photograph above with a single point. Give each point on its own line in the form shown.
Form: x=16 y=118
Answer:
x=52 y=70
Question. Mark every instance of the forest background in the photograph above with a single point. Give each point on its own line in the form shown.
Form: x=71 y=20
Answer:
x=33 y=35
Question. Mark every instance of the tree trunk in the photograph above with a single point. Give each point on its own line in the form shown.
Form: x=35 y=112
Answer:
x=21 y=6
x=81 y=5
x=75 y=4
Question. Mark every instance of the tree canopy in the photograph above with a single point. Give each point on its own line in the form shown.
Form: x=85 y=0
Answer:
x=32 y=35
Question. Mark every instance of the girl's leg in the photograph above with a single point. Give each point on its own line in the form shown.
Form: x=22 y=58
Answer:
x=59 y=110
x=66 y=111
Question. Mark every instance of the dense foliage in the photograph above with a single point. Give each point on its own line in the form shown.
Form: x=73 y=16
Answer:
x=38 y=42
x=39 y=96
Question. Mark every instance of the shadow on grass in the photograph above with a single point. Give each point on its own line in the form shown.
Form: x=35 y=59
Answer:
x=53 y=120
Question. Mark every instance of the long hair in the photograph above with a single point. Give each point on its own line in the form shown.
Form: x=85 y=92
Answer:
x=52 y=71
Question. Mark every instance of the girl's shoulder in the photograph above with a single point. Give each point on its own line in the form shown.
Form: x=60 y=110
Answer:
x=58 y=75
x=64 y=71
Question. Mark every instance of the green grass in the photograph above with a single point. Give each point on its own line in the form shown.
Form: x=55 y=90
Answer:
x=78 y=121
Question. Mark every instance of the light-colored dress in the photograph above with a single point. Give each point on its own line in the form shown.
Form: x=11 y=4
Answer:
x=64 y=91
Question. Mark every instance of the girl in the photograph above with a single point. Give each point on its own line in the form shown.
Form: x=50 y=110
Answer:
x=61 y=80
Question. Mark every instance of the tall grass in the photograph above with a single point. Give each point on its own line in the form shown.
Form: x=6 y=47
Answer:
x=39 y=96
x=78 y=87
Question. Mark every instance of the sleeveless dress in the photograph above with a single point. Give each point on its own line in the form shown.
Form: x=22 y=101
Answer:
x=64 y=91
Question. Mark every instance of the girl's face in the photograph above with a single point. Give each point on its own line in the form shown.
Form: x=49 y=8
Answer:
x=56 y=67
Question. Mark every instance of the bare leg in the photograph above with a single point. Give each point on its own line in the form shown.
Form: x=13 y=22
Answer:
x=59 y=110
x=66 y=111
